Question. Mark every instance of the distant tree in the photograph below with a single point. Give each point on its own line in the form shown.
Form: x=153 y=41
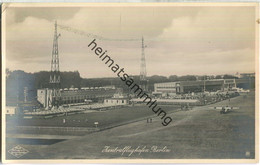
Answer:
x=15 y=84
x=210 y=77
x=173 y=78
x=69 y=79
x=200 y=77
x=188 y=78
x=157 y=79
x=7 y=72
x=226 y=76
x=218 y=77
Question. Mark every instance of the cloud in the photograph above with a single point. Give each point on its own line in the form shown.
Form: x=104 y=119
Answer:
x=180 y=40
x=232 y=61
x=213 y=28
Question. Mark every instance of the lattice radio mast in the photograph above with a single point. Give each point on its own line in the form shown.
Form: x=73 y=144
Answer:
x=143 y=80
x=55 y=94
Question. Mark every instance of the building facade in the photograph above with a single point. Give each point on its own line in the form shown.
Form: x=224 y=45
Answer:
x=181 y=87
x=247 y=75
x=76 y=96
x=116 y=101
x=11 y=110
x=170 y=88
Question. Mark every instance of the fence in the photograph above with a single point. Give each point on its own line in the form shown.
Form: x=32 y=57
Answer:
x=51 y=130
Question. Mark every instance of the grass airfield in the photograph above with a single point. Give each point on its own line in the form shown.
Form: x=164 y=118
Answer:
x=105 y=118
x=201 y=133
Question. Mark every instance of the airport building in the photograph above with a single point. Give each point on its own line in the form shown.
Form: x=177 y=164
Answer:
x=181 y=87
x=246 y=75
x=168 y=87
x=70 y=96
x=116 y=101
x=11 y=110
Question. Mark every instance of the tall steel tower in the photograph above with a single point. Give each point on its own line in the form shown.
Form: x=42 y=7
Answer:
x=143 y=80
x=55 y=94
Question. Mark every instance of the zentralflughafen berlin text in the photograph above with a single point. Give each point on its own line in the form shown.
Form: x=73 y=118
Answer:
x=119 y=71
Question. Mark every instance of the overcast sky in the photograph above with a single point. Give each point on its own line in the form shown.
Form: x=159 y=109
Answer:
x=180 y=40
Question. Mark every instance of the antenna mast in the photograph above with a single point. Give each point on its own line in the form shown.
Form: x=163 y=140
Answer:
x=55 y=94
x=143 y=80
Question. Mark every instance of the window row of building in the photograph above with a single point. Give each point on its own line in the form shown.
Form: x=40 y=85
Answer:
x=68 y=97
x=173 y=88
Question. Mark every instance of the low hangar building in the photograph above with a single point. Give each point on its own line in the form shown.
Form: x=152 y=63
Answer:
x=71 y=96
x=182 y=87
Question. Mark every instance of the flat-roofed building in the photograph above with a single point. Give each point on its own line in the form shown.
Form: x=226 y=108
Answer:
x=180 y=87
x=247 y=75
x=116 y=101
x=70 y=96
x=168 y=87
x=10 y=110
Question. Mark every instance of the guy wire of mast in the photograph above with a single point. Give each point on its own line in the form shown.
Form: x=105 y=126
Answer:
x=143 y=79
x=55 y=98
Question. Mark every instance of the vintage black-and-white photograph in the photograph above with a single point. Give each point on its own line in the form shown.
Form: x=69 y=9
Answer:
x=130 y=82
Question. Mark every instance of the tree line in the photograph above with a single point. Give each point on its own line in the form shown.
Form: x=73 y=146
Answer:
x=17 y=80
